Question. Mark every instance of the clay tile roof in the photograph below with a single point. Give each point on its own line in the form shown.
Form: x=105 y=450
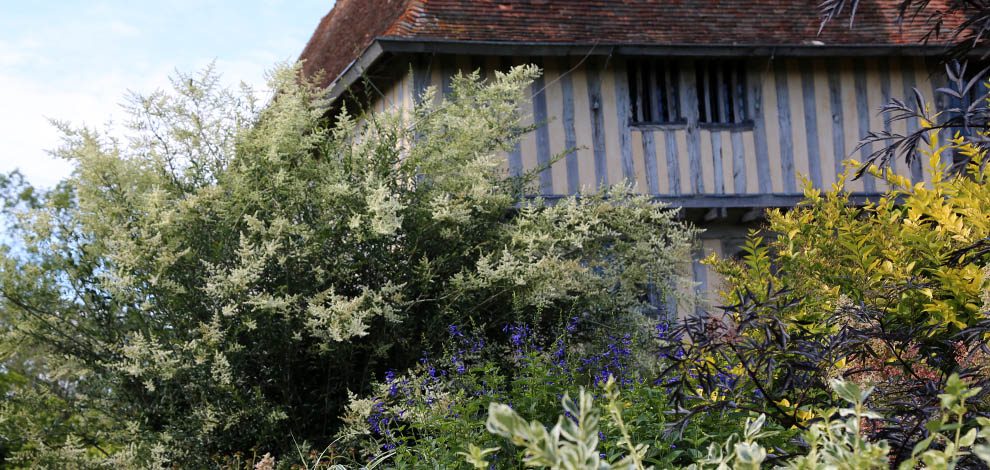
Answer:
x=353 y=24
x=349 y=27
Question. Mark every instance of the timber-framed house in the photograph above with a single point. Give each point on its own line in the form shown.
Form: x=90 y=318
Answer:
x=716 y=106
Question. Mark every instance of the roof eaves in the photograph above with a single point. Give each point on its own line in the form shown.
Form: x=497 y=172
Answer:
x=519 y=48
x=382 y=45
x=356 y=69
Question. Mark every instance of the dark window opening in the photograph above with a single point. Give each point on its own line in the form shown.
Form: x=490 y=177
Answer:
x=721 y=86
x=653 y=91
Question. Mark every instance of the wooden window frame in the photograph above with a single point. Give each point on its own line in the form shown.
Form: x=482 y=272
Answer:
x=655 y=87
x=654 y=92
x=722 y=97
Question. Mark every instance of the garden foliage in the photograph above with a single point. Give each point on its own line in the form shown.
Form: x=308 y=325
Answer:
x=892 y=295
x=223 y=278
x=420 y=416
x=238 y=283
x=916 y=252
x=836 y=440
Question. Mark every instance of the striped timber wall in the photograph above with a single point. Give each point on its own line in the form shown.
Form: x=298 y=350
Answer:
x=807 y=116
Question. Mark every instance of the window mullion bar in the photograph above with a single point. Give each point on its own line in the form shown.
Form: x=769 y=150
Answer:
x=654 y=87
x=706 y=83
x=640 y=101
x=738 y=90
x=670 y=88
x=723 y=95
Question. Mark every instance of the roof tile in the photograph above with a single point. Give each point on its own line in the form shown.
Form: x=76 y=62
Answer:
x=353 y=24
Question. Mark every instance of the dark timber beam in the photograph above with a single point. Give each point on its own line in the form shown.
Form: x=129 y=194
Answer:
x=719 y=201
x=380 y=47
x=518 y=48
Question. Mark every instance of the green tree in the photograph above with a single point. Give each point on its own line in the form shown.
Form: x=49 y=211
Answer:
x=223 y=279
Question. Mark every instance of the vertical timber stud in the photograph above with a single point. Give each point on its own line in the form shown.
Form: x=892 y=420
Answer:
x=669 y=135
x=716 y=143
x=650 y=161
x=755 y=109
x=716 y=137
x=597 y=121
x=421 y=77
x=689 y=107
x=542 y=132
x=811 y=123
x=863 y=117
x=784 y=121
x=623 y=109
x=673 y=162
x=570 y=138
x=738 y=150
x=515 y=155
x=940 y=100
x=883 y=68
x=738 y=162
x=939 y=79
x=835 y=101
x=907 y=69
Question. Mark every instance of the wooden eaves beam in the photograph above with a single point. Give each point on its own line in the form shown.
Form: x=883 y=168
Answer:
x=383 y=46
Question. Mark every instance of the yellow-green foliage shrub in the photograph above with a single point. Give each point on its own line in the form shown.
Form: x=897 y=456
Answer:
x=891 y=294
x=898 y=253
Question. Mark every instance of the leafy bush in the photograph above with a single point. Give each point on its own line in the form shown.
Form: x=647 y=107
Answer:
x=754 y=358
x=893 y=295
x=423 y=416
x=835 y=441
x=917 y=252
x=222 y=280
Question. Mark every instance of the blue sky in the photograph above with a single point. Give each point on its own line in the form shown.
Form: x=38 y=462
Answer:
x=75 y=60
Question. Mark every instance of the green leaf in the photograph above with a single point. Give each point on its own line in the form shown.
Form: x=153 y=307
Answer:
x=983 y=452
x=968 y=439
x=922 y=445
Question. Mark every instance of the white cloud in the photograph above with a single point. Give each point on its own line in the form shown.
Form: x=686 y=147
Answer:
x=76 y=64
x=26 y=135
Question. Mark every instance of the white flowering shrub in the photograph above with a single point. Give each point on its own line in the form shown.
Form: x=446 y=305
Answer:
x=223 y=277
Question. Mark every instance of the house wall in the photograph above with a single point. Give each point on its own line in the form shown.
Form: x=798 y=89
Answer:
x=807 y=117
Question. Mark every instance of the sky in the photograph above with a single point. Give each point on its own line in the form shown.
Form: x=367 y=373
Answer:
x=76 y=60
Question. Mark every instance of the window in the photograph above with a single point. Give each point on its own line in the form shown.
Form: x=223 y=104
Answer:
x=654 y=92
x=721 y=91
x=653 y=86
